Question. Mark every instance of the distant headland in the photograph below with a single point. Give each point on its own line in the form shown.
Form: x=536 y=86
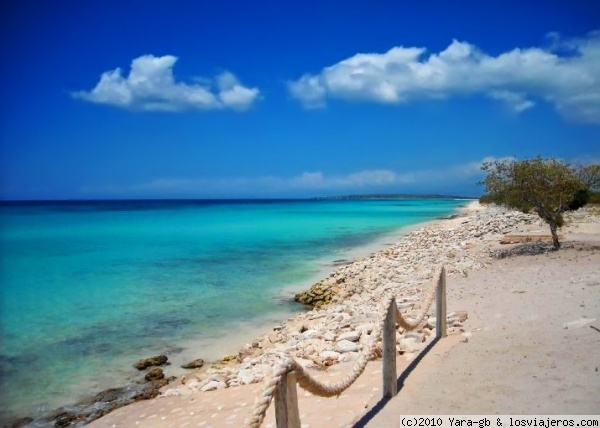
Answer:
x=391 y=196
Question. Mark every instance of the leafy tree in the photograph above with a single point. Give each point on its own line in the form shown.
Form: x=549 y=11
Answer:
x=580 y=199
x=546 y=185
x=590 y=176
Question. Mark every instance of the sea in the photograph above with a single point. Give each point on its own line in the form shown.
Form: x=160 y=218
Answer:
x=87 y=288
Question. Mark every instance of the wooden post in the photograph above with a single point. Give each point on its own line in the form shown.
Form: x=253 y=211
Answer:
x=390 y=387
x=286 y=402
x=440 y=320
x=292 y=401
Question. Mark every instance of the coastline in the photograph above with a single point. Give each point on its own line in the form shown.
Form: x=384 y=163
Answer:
x=326 y=267
x=235 y=338
x=231 y=340
x=230 y=354
x=302 y=335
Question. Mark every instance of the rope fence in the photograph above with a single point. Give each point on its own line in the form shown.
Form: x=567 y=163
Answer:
x=282 y=383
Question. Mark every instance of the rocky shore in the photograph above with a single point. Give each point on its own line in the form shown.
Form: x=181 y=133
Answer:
x=343 y=307
x=346 y=303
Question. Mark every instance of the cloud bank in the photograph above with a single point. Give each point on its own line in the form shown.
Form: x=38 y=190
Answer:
x=314 y=181
x=151 y=86
x=565 y=74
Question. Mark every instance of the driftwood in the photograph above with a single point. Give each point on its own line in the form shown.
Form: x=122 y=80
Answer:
x=519 y=239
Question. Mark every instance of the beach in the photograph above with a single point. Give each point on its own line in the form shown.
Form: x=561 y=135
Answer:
x=90 y=287
x=532 y=331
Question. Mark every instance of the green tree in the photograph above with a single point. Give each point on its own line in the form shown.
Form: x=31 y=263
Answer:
x=546 y=185
x=589 y=175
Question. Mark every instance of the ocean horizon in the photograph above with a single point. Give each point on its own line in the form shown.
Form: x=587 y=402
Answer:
x=90 y=287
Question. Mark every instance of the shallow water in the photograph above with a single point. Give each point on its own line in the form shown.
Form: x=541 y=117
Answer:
x=87 y=288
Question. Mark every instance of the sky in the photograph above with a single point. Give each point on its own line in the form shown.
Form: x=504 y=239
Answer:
x=284 y=99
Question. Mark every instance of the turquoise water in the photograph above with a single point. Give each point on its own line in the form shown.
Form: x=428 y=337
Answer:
x=87 y=288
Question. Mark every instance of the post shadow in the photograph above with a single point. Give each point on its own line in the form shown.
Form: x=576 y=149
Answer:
x=367 y=417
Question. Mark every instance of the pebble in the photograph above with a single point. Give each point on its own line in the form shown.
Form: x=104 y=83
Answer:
x=245 y=377
x=351 y=336
x=212 y=385
x=330 y=355
x=346 y=346
x=410 y=344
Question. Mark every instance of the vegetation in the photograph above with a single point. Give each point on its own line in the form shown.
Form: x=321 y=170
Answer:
x=590 y=176
x=593 y=197
x=548 y=186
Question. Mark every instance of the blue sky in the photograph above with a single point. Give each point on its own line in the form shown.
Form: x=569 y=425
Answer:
x=184 y=99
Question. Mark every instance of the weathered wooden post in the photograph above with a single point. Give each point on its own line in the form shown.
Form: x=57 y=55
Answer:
x=286 y=402
x=390 y=387
x=440 y=320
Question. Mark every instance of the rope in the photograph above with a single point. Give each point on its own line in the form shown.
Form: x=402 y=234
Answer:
x=411 y=325
x=328 y=389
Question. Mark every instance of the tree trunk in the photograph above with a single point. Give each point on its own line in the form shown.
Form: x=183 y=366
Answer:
x=555 y=242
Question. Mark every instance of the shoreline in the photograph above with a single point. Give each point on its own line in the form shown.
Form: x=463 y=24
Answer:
x=364 y=251
x=466 y=240
x=223 y=347
x=219 y=347
x=222 y=343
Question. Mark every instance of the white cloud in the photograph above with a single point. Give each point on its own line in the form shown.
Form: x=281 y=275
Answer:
x=318 y=180
x=151 y=86
x=517 y=102
x=309 y=181
x=567 y=74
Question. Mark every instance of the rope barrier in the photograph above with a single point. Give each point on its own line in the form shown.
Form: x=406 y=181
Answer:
x=328 y=389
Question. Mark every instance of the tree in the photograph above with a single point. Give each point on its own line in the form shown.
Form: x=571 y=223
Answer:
x=546 y=185
x=590 y=176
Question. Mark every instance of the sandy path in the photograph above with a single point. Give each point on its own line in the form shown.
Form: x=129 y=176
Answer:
x=229 y=407
x=533 y=348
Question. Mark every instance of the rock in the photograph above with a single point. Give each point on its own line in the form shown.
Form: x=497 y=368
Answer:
x=154 y=374
x=21 y=422
x=414 y=335
x=247 y=352
x=172 y=392
x=229 y=359
x=329 y=336
x=212 y=385
x=352 y=336
x=365 y=328
x=246 y=377
x=104 y=402
x=193 y=384
x=431 y=322
x=319 y=294
x=65 y=419
x=410 y=344
x=309 y=334
x=350 y=356
x=330 y=355
x=274 y=337
x=159 y=360
x=346 y=346
x=457 y=317
x=196 y=364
